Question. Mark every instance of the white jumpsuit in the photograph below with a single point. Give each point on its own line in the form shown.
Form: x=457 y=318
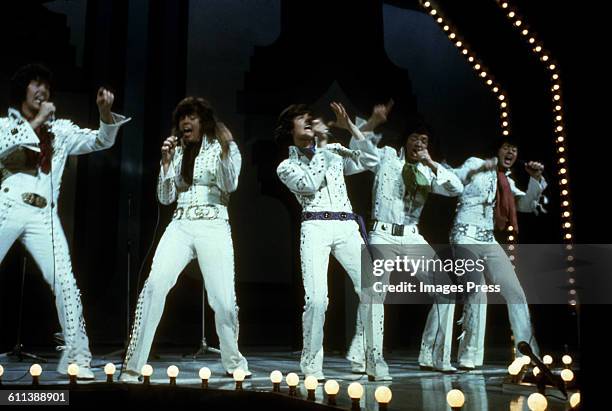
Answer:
x=392 y=205
x=199 y=229
x=318 y=184
x=473 y=226
x=38 y=226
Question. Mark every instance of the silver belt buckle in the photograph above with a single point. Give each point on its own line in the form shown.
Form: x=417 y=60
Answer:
x=34 y=199
x=207 y=212
x=178 y=213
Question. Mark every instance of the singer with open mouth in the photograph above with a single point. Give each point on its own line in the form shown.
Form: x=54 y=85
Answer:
x=200 y=166
x=34 y=147
x=315 y=175
x=490 y=201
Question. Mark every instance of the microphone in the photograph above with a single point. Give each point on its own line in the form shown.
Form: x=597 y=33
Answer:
x=525 y=349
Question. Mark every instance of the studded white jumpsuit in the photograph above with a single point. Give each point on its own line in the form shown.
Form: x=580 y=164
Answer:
x=393 y=206
x=473 y=228
x=199 y=229
x=36 y=223
x=318 y=184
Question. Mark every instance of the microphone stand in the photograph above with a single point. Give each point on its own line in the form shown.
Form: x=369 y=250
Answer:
x=17 y=351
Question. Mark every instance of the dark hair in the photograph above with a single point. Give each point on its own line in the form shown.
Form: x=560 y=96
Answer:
x=498 y=142
x=419 y=127
x=21 y=80
x=208 y=124
x=284 y=126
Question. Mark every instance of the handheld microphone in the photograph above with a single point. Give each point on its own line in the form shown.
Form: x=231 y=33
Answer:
x=525 y=349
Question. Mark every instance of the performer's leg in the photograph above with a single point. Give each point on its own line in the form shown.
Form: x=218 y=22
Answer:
x=501 y=271
x=347 y=249
x=172 y=255
x=44 y=238
x=314 y=252
x=436 y=342
x=215 y=252
x=12 y=219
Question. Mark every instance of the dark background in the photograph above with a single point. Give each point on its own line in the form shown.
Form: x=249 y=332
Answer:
x=251 y=59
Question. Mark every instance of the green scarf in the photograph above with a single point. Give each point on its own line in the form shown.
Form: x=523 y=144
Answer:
x=414 y=180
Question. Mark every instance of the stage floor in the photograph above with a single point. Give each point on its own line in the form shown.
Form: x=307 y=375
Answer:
x=412 y=388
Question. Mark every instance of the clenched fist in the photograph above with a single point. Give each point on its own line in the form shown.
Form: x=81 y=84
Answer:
x=104 y=100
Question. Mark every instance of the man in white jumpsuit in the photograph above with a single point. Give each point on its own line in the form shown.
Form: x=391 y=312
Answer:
x=316 y=177
x=199 y=174
x=490 y=200
x=402 y=184
x=34 y=147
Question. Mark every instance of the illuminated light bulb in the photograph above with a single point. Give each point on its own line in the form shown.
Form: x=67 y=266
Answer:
x=204 y=375
x=564 y=193
x=1 y=373
x=477 y=67
x=560 y=128
x=562 y=171
x=73 y=370
x=538 y=49
x=572 y=292
x=311 y=385
x=433 y=12
x=427 y=4
x=504 y=5
x=459 y=44
x=558 y=108
x=561 y=149
x=239 y=374
x=568 y=236
x=559 y=118
x=531 y=40
x=570 y=258
x=489 y=82
x=511 y=258
x=525 y=360
x=511 y=247
x=505 y=124
x=575 y=400
x=504 y=114
x=452 y=35
x=557 y=97
x=560 y=139
x=572 y=302
x=511 y=14
x=567 y=375
x=383 y=397
x=35 y=371
x=446 y=28
x=440 y=20
x=515 y=368
x=464 y=51
x=495 y=89
x=455 y=399
x=525 y=32
x=471 y=59
x=109 y=370
x=566 y=213
x=566 y=359
x=501 y=97
x=536 y=371
x=564 y=180
x=276 y=377
x=292 y=380
x=518 y=23
x=503 y=105
x=147 y=372
x=552 y=67
x=554 y=76
x=355 y=392
x=172 y=373
x=331 y=388
x=565 y=203
x=537 y=402
x=556 y=87
x=506 y=133
x=545 y=58
x=547 y=359
x=511 y=238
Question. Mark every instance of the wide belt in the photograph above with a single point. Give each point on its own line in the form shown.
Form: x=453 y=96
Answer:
x=473 y=231
x=397 y=230
x=338 y=216
x=200 y=212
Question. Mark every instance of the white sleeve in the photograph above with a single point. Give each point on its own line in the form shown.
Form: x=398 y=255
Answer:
x=228 y=169
x=529 y=201
x=304 y=178
x=365 y=156
x=83 y=140
x=166 y=187
x=470 y=166
x=446 y=183
x=14 y=136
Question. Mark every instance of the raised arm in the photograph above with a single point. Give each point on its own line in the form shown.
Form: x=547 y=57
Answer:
x=82 y=140
x=529 y=201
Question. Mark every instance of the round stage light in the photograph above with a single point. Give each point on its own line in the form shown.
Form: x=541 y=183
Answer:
x=292 y=379
x=575 y=400
x=205 y=373
x=537 y=402
x=566 y=359
x=455 y=398
x=35 y=370
x=383 y=395
x=331 y=387
x=146 y=370
x=355 y=390
x=567 y=375
x=110 y=369
x=172 y=371
x=311 y=383
x=276 y=377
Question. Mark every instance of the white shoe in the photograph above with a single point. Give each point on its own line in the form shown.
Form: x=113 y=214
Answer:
x=446 y=369
x=357 y=367
x=129 y=377
x=384 y=377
